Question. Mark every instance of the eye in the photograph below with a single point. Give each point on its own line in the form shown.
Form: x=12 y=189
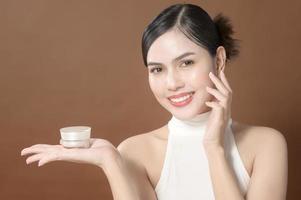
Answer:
x=188 y=62
x=155 y=70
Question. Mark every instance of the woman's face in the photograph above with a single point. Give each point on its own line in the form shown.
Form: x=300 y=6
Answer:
x=178 y=66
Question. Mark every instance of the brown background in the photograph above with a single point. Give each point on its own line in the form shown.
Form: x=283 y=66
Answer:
x=79 y=63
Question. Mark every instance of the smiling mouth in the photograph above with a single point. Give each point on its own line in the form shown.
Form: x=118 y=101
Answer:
x=182 y=101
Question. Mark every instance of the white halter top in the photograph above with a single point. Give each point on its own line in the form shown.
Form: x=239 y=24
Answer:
x=185 y=173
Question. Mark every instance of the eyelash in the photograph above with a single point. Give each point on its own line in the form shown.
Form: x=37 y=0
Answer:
x=153 y=69
x=191 y=62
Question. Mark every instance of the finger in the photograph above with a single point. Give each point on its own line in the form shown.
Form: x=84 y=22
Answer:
x=213 y=104
x=47 y=159
x=38 y=148
x=70 y=155
x=216 y=107
x=217 y=94
x=34 y=158
x=219 y=84
x=225 y=81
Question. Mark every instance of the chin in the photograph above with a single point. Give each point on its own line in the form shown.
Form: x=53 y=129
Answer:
x=182 y=116
x=186 y=115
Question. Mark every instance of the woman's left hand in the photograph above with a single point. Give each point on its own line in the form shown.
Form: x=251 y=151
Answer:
x=221 y=111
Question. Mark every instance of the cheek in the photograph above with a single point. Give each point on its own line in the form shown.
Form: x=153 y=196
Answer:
x=155 y=86
x=201 y=80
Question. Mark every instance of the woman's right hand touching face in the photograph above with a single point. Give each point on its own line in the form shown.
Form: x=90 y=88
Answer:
x=99 y=153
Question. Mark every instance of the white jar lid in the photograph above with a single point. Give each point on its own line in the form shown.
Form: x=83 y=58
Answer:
x=76 y=133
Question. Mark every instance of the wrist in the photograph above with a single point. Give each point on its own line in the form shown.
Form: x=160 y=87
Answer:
x=114 y=162
x=107 y=157
x=213 y=148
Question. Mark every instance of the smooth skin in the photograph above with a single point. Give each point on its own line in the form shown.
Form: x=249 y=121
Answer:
x=133 y=168
x=263 y=149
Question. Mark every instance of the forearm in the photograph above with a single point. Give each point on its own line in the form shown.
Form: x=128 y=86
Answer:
x=121 y=183
x=225 y=185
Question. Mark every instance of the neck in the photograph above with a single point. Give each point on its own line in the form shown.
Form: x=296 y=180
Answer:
x=189 y=127
x=198 y=120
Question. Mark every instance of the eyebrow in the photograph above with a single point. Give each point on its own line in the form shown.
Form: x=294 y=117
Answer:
x=174 y=60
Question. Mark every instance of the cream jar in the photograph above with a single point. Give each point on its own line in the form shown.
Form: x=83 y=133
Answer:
x=75 y=136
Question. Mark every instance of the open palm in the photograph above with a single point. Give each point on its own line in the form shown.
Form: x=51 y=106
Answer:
x=98 y=153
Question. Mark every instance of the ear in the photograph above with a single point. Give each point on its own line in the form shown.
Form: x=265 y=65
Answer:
x=220 y=59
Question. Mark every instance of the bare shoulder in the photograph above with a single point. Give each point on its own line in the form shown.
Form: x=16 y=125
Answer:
x=135 y=151
x=260 y=147
x=140 y=146
x=268 y=148
x=258 y=137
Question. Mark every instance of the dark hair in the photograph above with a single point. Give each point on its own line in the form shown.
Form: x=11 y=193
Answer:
x=197 y=25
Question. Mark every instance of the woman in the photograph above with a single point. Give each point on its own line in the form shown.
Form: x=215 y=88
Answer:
x=201 y=153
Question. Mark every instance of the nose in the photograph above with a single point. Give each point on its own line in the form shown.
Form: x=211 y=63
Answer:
x=173 y=81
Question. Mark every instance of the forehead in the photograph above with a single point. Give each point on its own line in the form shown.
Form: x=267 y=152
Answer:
x=170 y=45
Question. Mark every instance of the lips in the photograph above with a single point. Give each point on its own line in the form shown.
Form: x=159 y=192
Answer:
x=181 y=99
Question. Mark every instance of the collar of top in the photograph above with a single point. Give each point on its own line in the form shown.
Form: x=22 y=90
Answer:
x=195 y=125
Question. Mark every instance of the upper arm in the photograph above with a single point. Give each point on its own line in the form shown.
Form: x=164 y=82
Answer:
x=270 y=170
x=129 y=150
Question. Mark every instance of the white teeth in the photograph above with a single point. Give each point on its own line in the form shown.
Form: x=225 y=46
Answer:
x=180 y=99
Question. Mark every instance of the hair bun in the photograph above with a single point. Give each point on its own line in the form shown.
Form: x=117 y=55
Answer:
x=225 y=31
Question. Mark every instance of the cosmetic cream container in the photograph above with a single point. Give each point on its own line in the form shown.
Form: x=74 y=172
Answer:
x=75 y=136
